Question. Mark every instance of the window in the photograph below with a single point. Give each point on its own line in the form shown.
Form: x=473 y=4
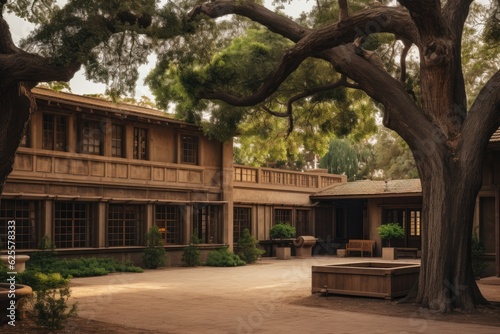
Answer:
x=117 y=140
x=302 y=222
x=245 y=174
x=168 y=220
x=189 y=149
x=90 y=137
x=73 y=225
x=140 y=143
x=54 y=132
x=283 y=216
x=125 y=225
x=415 y=222
x=241 y=221
x=206 y=219
x=25 y=214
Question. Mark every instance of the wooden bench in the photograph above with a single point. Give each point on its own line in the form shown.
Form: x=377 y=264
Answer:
x=405 y=252
x=360 y=246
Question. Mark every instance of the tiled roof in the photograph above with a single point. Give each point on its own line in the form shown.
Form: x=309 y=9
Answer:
x=92 y=102
x=369 y=188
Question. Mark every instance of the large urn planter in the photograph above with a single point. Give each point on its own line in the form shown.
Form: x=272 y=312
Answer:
x=10 y=295
x=20 y=262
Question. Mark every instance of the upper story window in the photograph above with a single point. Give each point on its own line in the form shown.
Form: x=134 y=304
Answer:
x=90 y=137
x=54 y=132
x=117 y=140
x=140 y=143
x=189 y=149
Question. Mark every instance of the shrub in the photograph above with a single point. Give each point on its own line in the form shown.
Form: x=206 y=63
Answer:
x=45 y=256
x=39 y=281
x=282 y=231
x=191 y=254
x=247 y=247
x=154 y=255
x=223 y=258
x=83 y=267
x=51 y=307
x=390 y=231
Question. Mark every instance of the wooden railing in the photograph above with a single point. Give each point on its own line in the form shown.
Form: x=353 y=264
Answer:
x=271 y=176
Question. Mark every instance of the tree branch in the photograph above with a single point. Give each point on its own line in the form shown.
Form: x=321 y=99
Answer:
x=312 y=44
x=343 y=10
x=483 y=118
x=364 y=22
x=289 y=112
x=427 y=16
x=407 y=46
x=23 y=66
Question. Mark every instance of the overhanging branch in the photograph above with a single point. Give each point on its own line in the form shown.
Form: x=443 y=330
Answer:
x=310 y=92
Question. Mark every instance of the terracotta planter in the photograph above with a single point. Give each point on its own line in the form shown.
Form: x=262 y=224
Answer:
x=283 y=253
x=389 y=253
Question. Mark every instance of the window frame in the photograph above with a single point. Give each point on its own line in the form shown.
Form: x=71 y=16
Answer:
x=72 y=216
x=117 y=139
x=140 y=139
x=91 y=142
x=169 y=220
x=240 y=223
x=189 y=150
x=58 y=132
x=125 y=226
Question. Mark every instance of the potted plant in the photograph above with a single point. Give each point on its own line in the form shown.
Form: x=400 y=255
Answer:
x=282 y=231
x=387 y=232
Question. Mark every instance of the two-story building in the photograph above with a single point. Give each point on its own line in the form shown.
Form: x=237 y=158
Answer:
x=94 y=176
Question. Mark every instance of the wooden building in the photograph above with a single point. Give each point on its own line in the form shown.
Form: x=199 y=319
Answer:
x=94 y=176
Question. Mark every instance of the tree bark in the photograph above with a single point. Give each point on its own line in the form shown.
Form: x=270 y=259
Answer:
x=16 y=104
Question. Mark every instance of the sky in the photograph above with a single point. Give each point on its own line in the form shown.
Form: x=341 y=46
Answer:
x=80 y=85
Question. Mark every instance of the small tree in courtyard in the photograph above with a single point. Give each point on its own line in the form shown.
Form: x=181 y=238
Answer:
x=248 y=249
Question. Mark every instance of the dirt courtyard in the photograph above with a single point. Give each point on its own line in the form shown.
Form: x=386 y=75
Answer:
x=271 y=296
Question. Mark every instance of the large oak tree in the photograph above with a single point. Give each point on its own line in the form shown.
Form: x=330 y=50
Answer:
x=448 y=139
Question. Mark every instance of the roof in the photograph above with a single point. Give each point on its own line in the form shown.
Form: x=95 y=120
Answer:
x=96 y=103
x=370 y=188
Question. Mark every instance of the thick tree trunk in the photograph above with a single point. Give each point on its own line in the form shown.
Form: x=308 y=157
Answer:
x=16 y=105
x=449 y=191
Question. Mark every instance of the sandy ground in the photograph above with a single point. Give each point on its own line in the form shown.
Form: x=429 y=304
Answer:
x=271 y=296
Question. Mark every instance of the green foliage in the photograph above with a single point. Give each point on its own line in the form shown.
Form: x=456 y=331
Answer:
x=248 y=249
x=191 y=254
x=393 y=156
x=154 y=255
x=478 y=265
x=45 y=256
x=84 y=267
x=282 y=231
x=390 y=231
x=344 y=157
x=52 y=308
x=39 y=281
x=223 y=258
